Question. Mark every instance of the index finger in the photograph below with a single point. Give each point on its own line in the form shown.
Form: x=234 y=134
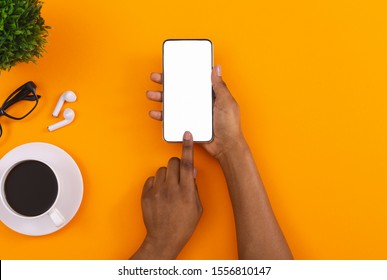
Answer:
x=186 y=163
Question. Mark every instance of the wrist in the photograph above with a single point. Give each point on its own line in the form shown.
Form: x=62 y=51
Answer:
x=234 y=149
x=153 y=249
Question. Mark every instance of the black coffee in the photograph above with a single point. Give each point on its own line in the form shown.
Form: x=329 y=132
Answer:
x=31 y=188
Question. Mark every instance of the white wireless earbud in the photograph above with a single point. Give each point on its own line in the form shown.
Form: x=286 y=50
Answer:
x=68 y=96
x=69 y=116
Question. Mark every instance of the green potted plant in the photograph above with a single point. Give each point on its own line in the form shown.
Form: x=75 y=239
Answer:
x=22 y=32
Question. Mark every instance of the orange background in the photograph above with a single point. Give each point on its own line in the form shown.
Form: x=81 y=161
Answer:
x=310 y=78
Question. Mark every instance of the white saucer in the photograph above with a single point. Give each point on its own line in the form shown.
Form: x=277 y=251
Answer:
x=69 y=196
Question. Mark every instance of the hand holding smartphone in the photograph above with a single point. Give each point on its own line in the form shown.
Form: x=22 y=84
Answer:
x=187 y=89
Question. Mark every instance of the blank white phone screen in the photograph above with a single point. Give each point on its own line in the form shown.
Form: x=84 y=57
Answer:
x=187 y=90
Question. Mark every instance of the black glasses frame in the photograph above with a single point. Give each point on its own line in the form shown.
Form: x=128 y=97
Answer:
x=25 y=92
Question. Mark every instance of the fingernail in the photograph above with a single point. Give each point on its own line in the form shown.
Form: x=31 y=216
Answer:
x=218 y=70
x=187 y=135
x=195 y=172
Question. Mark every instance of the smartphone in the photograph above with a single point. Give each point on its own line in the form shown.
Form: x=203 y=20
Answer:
x=187 y=89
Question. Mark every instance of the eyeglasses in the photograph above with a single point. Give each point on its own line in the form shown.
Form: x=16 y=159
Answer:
x=26 y=97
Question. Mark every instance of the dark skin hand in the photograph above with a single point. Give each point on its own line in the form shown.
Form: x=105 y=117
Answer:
x=171 y=207
x=258 y=233
x=227 y=128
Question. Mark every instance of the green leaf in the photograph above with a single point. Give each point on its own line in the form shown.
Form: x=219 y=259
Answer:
x=22 y=32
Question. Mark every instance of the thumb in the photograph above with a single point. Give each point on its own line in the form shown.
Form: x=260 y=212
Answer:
x=222 y=94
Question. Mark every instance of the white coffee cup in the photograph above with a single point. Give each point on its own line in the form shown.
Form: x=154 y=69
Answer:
x=33 y=196
x=58 y=208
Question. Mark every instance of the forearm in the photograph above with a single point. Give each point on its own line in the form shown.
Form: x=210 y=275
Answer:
x=258 y=233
